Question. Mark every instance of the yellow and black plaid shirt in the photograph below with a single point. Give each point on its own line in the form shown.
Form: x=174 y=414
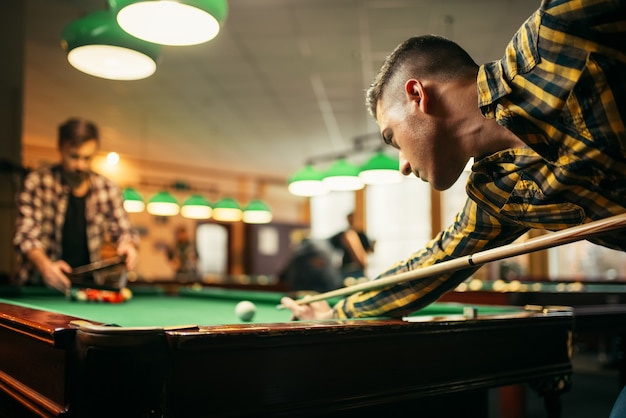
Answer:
x=561 y=88
x=42 y=205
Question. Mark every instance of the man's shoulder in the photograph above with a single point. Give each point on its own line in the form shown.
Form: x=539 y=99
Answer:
x=45 y=170
x=101 y=181
x=102 y=188
x=43 y=175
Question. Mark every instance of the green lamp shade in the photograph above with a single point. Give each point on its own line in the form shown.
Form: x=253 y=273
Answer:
x=163 y=204
x=133 y=202
x=343 y=176
x=196 y=207
x=381 y=169
x=227 y=210
x=182 y=22
x=97 y=46
x=257 y=212
x=307 y=182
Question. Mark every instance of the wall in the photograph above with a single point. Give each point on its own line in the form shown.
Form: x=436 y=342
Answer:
x=149 y=177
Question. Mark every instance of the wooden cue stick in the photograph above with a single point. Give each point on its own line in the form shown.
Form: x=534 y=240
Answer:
x=554 y=239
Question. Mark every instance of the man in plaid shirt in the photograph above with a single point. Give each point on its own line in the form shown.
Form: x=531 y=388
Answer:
x=546 y=126
x=66 y=212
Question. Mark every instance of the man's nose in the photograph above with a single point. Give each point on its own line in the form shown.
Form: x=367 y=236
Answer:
x=405 y=166
x=82 y=164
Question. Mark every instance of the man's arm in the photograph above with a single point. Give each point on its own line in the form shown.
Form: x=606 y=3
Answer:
x=28 y=231
x=121 y=230
x=352 y=243
x=53 y=273
x=474 y=230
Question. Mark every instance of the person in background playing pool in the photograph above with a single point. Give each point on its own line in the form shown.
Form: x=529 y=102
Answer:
x=355 y=246
x=545 y=125
x=309 y=266
x=66 y=212
x=183 y=256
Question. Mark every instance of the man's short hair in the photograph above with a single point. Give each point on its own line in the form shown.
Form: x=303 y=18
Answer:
x=76 y=131
x=428 y=57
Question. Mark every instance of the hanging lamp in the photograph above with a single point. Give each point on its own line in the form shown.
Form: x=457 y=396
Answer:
x=380 y=169
x=167 y=22
x=163 y=204
x=97 y=46
x=227 y=210
x=133 y=203
x=196 y=207
x=257 y=212
x=343 y=176
x=307 y=182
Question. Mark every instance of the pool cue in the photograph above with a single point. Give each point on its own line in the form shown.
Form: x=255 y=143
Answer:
x=86 y=275
x=98 y=265
x=554 y=239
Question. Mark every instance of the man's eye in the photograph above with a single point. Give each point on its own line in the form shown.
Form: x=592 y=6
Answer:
x=389 y=141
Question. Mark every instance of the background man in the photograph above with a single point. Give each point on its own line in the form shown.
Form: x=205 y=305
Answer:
x=66 y=212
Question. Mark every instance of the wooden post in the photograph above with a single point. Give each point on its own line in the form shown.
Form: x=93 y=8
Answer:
x=435 y=213
x=12 y=22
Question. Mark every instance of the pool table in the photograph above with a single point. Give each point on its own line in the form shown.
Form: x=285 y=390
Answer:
x=599 y=307
x=188 y=355
x=541 y=292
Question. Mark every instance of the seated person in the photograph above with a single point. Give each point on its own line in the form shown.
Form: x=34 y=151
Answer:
x=310 y=269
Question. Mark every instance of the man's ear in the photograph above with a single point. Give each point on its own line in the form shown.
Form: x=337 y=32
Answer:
x=416 y=93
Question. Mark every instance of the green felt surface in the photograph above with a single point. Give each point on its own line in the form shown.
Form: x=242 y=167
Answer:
x=204 y=306
x=153 y=308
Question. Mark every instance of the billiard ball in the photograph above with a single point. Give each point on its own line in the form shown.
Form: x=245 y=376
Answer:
x=514 y=286
x=500 y=286
x=245 y=310
x=126 y=293
x=475 y=284
x=349 y=281
x=575 y=287
x=462 y=287
x=74 y=295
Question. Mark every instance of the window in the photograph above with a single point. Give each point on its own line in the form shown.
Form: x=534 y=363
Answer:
x=212 y=245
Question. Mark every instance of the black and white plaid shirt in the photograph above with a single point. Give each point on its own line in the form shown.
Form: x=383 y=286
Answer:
x=42 y=205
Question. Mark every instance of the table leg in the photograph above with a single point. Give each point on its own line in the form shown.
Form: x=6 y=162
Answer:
x=621 y=358
x=551 y=389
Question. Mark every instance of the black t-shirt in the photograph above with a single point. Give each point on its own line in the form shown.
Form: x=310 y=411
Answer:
x=337 y=243
x=74 y=242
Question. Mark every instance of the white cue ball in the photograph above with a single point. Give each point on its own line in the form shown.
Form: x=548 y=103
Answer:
x=245 y=310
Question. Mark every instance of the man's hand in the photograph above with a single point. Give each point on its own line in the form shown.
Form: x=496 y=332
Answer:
x=315 y=310
x=128 y=249
x=54 y=273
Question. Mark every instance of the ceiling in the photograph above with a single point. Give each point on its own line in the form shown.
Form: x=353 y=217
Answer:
x=283 y=81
